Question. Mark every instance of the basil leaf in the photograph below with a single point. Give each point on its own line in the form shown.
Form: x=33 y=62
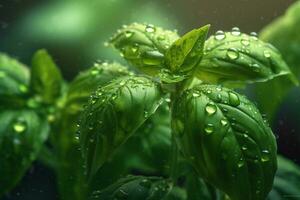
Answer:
x=14 y=78
x=135 y=188
x=22 y=133
x=227 y=140
x=144 y=45
x=234 y=57
x=187 y=51
x=113 y=114
x=287 y=180
x=46 y=79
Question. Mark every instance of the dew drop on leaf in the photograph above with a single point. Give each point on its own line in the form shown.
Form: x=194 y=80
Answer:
x=267 y=54
x=235 y=31
x=209 y=129
x=220 y=35
x=254 y=35
x=232 y=53
x=195 y=94
x=150 y=28
x=20 y=126
x=245 y=42
x=128 y=34
x=233 y=99
x=224 y=122
x=241 y=162
x=265 y=156
x=210 y=108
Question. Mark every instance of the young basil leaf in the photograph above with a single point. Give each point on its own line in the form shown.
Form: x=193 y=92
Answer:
x=46 y=79
x=113 y=114
x=14 y=79
x=287 y=180
x=234 y=57
x=135 y=188
x=144 y=45
x=187 y=51
x=227 y=140
x=22 y=133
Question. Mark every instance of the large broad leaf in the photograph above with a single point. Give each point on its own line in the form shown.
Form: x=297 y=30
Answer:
x=14 y=79
x=283 y=33
x=187 y=51
x=46 y=79
x=287 y=180
x=144 y=45
x=113 y=114
x=22 y=134
x=135 y=188
x=227 y=140
x=79 y=91
x=240 y=58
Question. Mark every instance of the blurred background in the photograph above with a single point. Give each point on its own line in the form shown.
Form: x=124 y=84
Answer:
x=74 y=32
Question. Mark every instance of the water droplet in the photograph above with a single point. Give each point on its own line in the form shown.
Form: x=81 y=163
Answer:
x=245 y=42
x=122 y=83
x=255 y=67
x=128 y=34
x=145 y=183
x=94 y=71
x=20 y=126
x=168 y=100
x=224 y=122
x=232 y=53
x=150 y=28
x=267 y=54
x=51 y=118
x=234 y=100
x=220 y=35
x=146 y=114
x=209 y=129
x=254 y=35
x=210 y=108
x=195 y=94
x=265 y=156
x=244 y=148
x=241 y=162
x=121 y=54
x=235 y=31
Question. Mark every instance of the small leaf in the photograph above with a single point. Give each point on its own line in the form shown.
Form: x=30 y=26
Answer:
x=144 y=45
x=22 y=134
x=287 y=180
x=224 y=136
x=233 y=57
x=187 y=51
x=113 y=114
x=46 y=79
x=135 y=188
x=14 y=79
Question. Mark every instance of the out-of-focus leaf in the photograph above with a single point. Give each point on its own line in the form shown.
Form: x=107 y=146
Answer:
x=46 y=79
x=113 y=114
x=187 y=51
x=234 y=57
x=14 y=79
x=22 y=133
x=224 y=136
x=283 y=33
x=144 y=45
x=287 y=180
x=135 y=188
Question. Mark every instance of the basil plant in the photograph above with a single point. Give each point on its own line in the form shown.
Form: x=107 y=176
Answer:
x=172 y=119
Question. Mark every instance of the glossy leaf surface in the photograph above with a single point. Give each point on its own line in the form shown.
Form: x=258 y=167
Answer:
x=135 y=188
x=144 y=45
x=227 y=140
x=22 y=134
x=234 y=57
x=113 y=114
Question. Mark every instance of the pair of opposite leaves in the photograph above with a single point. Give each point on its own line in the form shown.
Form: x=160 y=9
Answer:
x=219 y=131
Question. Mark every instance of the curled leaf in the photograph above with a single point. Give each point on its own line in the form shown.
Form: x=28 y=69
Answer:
x=113 y=114
x=135 y=188
x=22 y=134
x=144 y=45
x=235 y=57
x=226 y=139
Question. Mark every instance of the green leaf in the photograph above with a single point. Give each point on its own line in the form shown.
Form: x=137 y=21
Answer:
x=22 y=134
x=234 y=57
x=14 y=79
x=187 y=51
x=46 y=79
x=113 y=114
x=287 y=180
x=224 y=136
x=144 y=46
x=135 y=188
